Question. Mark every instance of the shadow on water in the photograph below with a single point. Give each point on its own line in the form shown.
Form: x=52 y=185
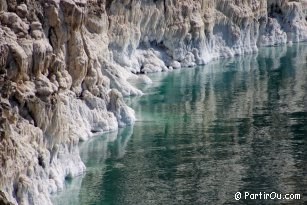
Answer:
x=204 y=134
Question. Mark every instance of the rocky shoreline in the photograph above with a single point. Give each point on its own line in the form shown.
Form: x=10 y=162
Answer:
x=65 y=65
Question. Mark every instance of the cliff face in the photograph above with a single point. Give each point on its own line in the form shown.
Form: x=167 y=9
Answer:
x=64 y=67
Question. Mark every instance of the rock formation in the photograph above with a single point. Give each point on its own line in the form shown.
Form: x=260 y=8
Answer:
x=65 y=65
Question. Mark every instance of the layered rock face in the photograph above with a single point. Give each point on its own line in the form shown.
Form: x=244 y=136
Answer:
x=64 y=67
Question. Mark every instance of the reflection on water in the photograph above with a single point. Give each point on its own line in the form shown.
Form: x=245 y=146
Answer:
x=204 y=134
x=85 y=189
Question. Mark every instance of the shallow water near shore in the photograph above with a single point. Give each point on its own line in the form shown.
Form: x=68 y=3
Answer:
x=202 y=134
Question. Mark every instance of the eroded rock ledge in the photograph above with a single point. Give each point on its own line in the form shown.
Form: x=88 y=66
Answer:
x=64 y=67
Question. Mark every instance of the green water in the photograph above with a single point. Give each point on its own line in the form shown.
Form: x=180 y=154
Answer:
x=204 y=134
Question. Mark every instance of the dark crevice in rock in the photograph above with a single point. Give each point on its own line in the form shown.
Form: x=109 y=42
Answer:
x=108 y=4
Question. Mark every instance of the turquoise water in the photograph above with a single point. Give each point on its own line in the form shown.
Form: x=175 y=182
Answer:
x=203 y=134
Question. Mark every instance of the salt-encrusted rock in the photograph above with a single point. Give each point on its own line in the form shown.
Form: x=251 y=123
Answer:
x=65 y=66
x=176 y=65
x=124 y=114
x=3 y=199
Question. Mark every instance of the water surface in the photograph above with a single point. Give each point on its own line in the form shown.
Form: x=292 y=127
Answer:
x=204 y=134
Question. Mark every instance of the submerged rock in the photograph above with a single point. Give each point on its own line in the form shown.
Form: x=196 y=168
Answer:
x=65 y=65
